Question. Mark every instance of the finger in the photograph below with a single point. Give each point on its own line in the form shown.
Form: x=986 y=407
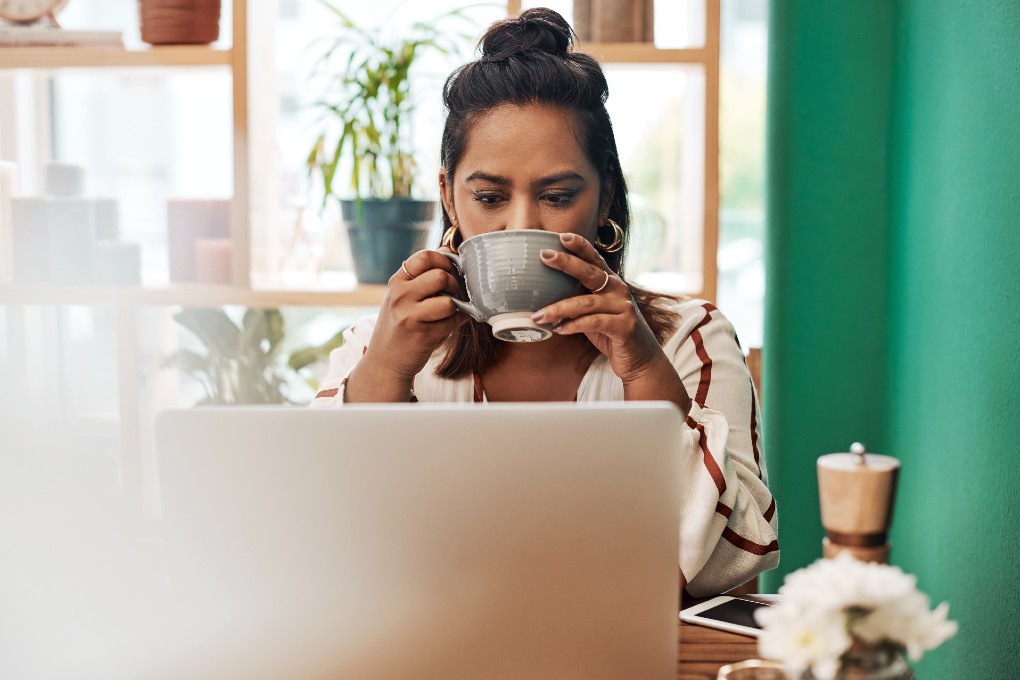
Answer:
x=433 y=282
x=444 y=327
x=581 y=305
x=590 y=275
x=436 y=309
x=433 y=259
x=421 y=262
x=583 y=248
x=607 y=324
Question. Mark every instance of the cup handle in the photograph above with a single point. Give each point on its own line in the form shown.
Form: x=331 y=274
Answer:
x=465 y=307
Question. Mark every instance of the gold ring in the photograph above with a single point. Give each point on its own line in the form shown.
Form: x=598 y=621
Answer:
x=403 y=265
x=604 y=284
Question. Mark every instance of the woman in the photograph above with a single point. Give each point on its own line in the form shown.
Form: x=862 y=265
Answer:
x=528 y=144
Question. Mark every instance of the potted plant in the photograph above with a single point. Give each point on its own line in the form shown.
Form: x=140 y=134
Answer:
x=241 y=363
x=237 y=363
x=849 y=620
x=366 y=126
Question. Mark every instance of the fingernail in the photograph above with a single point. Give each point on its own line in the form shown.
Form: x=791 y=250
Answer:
x=567 y=238
x=547 y=254
x=538 y=316
x=558 y=328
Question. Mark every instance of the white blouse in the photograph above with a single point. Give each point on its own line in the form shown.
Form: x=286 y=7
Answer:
x=728 y=518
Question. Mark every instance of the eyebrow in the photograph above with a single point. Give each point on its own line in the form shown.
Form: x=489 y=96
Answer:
x=503 y=181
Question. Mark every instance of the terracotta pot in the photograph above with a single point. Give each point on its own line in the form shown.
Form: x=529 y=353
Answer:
x=612 y=21
x=179 y=22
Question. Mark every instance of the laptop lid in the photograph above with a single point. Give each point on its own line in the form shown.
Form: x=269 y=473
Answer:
x=425 y=541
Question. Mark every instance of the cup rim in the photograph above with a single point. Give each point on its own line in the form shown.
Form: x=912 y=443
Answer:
x=556 y=234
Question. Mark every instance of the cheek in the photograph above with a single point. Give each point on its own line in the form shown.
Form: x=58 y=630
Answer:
x=472 y=217
x=589 y=226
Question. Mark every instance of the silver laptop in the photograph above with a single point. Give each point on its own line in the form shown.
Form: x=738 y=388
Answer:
x=418 y=541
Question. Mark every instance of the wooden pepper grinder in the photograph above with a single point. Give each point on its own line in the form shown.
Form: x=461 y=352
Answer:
x=857 y=491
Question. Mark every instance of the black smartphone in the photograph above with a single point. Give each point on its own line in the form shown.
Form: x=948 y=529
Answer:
x=728 y=613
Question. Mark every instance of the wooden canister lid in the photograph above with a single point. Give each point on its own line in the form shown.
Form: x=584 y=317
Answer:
x=856 y=492
x=858 y=461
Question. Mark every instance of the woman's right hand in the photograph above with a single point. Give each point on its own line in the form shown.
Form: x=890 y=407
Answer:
x=413 y=321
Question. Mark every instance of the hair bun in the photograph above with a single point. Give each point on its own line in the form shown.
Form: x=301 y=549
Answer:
x=537 y=29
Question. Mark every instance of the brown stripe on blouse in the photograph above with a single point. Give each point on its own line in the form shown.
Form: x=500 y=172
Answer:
x=332 y=392
x=749 y=546
x=707 y=459
x=754 y=431
x=706 y=361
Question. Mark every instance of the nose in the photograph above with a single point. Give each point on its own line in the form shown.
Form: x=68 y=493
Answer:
x=523 y=214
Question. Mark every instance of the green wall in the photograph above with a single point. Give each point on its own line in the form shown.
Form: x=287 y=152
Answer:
x=955 y=323
x=827 y=216
x=923 y=326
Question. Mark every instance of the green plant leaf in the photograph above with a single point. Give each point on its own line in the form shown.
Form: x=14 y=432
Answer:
x=260 y=327
x=187 y=360
x=370 y=95
x=212 y=327
x=306 y=356
x=199 y=367
x=347 y=23
x=315 y=154
x=240 y=364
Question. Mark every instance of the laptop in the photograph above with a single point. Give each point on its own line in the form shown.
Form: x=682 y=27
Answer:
x=421 y=541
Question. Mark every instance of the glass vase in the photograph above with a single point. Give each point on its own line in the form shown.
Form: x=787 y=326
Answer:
x=874 y=662
x=871 y=662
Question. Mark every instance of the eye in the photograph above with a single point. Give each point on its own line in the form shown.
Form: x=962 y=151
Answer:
x=559 y=199
x=489 y=199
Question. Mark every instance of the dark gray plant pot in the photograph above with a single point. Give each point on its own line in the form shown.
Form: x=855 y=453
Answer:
x=385 y=232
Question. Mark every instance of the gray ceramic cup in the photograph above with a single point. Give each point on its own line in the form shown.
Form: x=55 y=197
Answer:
x=506 y=281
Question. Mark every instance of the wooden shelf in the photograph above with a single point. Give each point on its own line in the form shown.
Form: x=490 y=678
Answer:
x=106 y=56
x=644 y=53
x=186 y=295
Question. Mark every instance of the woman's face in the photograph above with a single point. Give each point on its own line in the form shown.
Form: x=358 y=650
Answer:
x=523 y=168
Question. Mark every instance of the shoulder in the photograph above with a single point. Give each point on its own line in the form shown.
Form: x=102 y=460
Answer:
x=694 y=316
x=703 y=333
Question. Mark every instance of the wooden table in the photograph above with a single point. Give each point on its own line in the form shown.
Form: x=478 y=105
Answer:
x=702 y=651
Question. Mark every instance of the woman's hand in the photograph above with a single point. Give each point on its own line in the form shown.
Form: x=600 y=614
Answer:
x=413 y=321
x=611 y=320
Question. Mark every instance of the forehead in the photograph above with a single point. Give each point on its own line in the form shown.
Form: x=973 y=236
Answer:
x=531 y=140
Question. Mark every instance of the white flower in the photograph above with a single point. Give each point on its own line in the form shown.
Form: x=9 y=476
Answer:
x=801 y=640
x=832 y=601
x=908 y=623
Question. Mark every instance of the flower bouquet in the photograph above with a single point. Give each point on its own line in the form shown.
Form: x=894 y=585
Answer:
x=840 y=618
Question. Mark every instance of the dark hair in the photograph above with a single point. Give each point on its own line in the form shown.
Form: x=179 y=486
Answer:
x=529 y=60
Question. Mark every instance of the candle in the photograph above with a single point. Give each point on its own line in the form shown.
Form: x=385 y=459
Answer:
x=107 y=219
x=187 y=221
x=8 y=190
x=64 y=179
x=118 y=263
x=213 y=258
x=29 y=240
x=71 y=226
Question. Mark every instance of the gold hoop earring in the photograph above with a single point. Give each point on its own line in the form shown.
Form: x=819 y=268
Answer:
x=448 y=237
x=618 y=236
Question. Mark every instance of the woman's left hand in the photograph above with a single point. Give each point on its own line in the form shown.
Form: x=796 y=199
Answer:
x=609 y=317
